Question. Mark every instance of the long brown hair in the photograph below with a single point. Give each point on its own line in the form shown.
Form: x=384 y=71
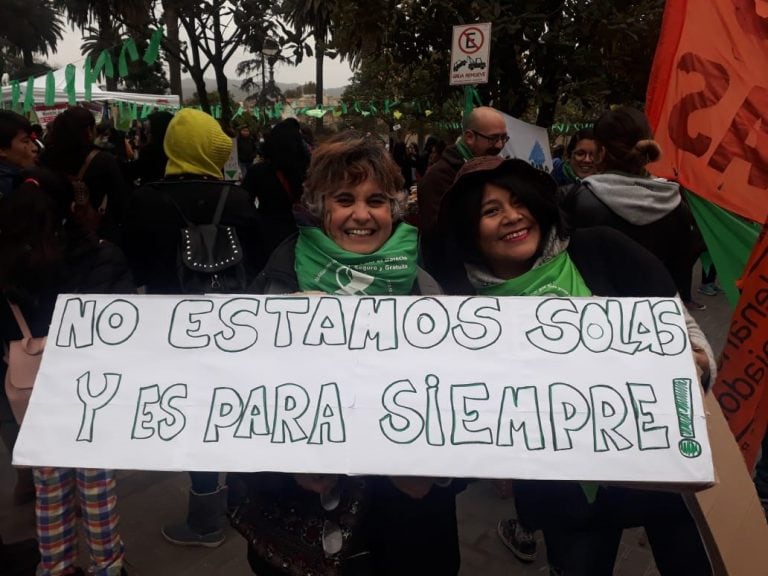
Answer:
x=38 y=236
x=626 y=140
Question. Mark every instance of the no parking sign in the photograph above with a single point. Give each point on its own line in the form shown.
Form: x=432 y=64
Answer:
x=470 y=54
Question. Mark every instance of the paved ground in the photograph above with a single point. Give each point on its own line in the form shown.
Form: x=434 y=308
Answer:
x=149 y=499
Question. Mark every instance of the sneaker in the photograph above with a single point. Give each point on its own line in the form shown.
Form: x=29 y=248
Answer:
x=708 y=290
x=519 y=540
x=693 y=305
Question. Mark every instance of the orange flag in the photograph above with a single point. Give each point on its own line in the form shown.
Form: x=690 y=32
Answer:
x=707 y=101
x=741 y=386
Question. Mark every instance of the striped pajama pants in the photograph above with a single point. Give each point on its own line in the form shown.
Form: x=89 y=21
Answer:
x=60 y=491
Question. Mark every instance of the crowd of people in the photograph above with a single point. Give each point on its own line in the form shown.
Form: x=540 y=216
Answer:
x=75 y=217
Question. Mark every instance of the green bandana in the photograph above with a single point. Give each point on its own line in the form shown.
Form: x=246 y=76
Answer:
x=322 y=266
x=558 y=277
x=568 y=171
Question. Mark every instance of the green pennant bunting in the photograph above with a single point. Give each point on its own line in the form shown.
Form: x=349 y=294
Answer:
x=89 y=78
x=104 y=63
x=343 y=107
x=471 y=97
x=15 y=94
x=356 y=107
x=50 y=89
x=134 y=111
x=146 y=110
x=29 y=94
x=69 y=77
x=129 y=47
x=372 y=109
x=238 y=113
x=153 y=50
x=389 y=104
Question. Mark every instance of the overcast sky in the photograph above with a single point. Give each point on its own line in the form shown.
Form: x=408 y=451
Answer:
x=336 y=73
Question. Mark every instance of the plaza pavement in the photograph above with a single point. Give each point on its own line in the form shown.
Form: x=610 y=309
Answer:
x=147 y=500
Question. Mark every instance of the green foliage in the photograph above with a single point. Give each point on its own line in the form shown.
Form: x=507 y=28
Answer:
x=299 y=91
x=27 y=27
x=545 y=54
x=213 y=99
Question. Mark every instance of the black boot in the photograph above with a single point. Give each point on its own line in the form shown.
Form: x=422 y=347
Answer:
x=19 y=558
x=206 y=519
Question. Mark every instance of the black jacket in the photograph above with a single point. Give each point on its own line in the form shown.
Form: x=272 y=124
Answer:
x=94 y=269
x=656 y=219
x=153 y=227
x=275 y=203
x=610 y=263
x=406 y=536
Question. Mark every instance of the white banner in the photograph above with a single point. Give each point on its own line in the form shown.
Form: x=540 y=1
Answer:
x=527 y=142
x=577 y=389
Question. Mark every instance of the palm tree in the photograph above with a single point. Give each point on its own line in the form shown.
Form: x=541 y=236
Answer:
x=29 y=26
x=97 y=18
x=316 y=16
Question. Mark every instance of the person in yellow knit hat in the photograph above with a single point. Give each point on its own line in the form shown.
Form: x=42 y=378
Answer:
x=190 y=194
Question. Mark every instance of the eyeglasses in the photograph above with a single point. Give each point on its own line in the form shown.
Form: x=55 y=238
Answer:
x=503 y=138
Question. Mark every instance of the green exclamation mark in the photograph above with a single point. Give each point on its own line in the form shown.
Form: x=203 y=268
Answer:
x=689 y=446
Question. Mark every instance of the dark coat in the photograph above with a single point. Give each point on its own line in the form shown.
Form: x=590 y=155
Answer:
x=431 y=189
x=9 y=178
x=434 y=185
x=94 y=269
x=153 y=227
x=673 y=238
x=406 y=536
x=104 y=177
x=275 y=202
x=612 y=265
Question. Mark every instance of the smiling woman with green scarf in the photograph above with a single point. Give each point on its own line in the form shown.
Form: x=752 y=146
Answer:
x=399 y=526
x=502 y=223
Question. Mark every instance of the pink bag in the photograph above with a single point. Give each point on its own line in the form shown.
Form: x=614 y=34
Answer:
x=23 y=359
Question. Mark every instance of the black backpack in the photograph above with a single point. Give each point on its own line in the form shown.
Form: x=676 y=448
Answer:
x=209 y=256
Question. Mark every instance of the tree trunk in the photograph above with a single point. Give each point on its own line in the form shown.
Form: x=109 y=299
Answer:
x=320 y=56
x=107 y=36
x=29 y=60
x=221 y=86
x=202 y=91
x=171 y=21
x=218 y=69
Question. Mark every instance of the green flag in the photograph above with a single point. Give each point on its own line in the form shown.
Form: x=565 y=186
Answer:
x=729 y=239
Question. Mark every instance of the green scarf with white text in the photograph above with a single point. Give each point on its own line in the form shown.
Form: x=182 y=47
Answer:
x=321 y=265
x=557 y=277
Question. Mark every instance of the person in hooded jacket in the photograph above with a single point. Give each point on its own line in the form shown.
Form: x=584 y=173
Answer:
x=502 y=222
x=197 y=149
x=626 y=197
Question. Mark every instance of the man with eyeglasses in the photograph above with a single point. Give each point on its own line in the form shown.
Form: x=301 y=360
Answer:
x=485 y=134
